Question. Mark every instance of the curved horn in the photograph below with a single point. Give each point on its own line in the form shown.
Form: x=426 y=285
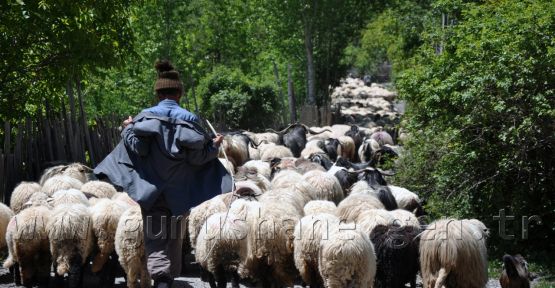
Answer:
x=314 y=132
x=282 y=131
x=254 y=144
x=386 y=173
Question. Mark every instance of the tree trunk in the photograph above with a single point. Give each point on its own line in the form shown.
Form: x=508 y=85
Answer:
x=310 y=73
x=280 y=92
x=193 y=94
x=291 y=95
x=84 y=123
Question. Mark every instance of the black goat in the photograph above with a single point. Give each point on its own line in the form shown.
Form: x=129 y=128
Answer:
x=294 y=137
x=376 y=181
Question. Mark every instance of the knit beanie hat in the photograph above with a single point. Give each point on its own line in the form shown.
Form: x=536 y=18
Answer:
x=168 y=77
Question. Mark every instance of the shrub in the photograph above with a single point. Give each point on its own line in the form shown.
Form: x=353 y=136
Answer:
x=481 y=115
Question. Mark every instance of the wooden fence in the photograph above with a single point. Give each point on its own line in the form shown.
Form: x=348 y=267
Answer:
x=34 y=144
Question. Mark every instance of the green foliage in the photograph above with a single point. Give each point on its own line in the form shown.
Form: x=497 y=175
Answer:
x=231 y=98
x=481 y=117
x=45 y=43
x=393 y=36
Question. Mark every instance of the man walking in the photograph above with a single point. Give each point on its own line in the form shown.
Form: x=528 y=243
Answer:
x=167 y=163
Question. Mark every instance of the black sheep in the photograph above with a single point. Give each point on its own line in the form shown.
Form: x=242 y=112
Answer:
x=396 y=251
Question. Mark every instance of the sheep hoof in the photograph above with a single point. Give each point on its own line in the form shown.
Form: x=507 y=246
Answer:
x=14 y=270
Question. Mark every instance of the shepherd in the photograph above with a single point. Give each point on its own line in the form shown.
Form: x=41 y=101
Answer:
x=168 y=164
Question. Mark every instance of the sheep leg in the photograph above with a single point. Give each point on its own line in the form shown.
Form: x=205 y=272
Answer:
x=234 y=279
x=220 y=277
x=75 y=275
x=441 y=277
x=16 y=274
x=413 y=282
x=43 y=269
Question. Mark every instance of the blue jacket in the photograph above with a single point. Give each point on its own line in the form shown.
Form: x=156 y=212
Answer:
x=160 y=155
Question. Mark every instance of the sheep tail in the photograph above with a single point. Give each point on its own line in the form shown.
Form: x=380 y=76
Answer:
x=63 y=265
x=9 y=262
x=441 y=277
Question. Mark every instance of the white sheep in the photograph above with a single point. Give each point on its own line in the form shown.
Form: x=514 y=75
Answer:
x=324 y=186
x=367 y=220
x=270 y=245
x=124 y=198
x=71 y=237
x=310 y=149
x=405 y=218
x=269 y=152
x=74 y=170
x=221 y=244
x=261 y=167
x=319 y=206
x=286 y=178
x=130 y=247
x=451 y=255
x=296 y=196
x=347 y=259
x=200 y=213
x=5 y=215
x=252 y=175
x=309 y=232
x=267 y=137
x=28 y=245
x=367 y=148
x=351 y=207
x=98 y=189
x=21 y=194
x=361 y=187
x=105 y=216
x=70 y=196
x=60 y=182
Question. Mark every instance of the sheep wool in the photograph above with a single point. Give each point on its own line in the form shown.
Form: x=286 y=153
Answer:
x=71 y=236
x=347 y=147
x=319 y=206
x=369 y=219
x=347 y=259
x=70 y=196
x=236 y=149
x=270 y=246
x=309 y=232
x=324 y=186
x=404 y=218
x=21 y=194
x=397 y=253
x=451 y=256
x=351 y=207
x=60 y=182
x=98 y=189
x=5 y=215
x=277 y=151
x=286 y=179
x=310 y=150
x=28 y=244
x=404 y=197
x=105 y=217
x=221 y=244
x=76 y=171
x=200 y=213
x=261 y=167
x=130 y=247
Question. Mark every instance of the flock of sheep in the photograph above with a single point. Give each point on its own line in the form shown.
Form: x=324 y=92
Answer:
x=308 y=205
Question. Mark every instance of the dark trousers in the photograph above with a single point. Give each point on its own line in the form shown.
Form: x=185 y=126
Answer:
x=163 y=241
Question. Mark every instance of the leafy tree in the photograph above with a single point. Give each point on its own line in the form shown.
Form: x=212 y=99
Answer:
x=480 y=115
x=46 y=43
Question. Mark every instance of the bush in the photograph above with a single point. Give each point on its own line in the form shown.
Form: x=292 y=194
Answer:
x=481 y=115
x=237 y=102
